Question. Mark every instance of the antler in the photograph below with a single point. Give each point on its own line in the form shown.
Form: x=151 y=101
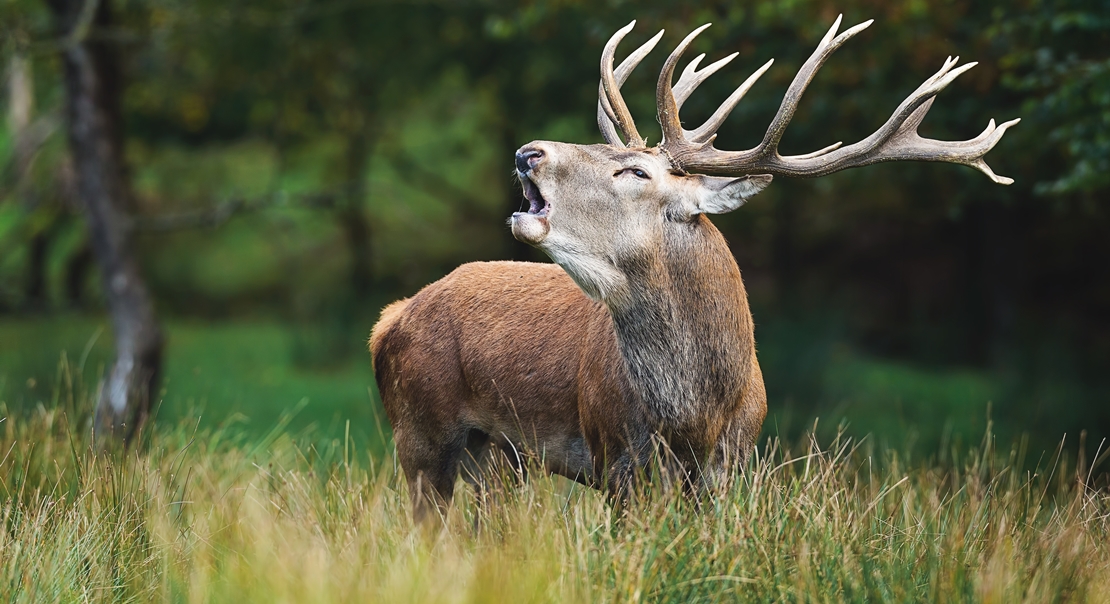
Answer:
x=612 y=112
x=896 y=140
x=693 y=150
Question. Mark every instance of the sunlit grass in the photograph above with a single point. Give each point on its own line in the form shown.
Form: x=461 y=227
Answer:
x=206 y=515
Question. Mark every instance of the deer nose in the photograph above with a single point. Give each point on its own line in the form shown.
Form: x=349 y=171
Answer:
x=527 y=158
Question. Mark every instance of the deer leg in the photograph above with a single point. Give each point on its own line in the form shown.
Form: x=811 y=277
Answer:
x=737 y=441
x=626 y=470
x=484 y=461
x=477 y=460
x=620 y=479
x=490 y=468
x=431 y=466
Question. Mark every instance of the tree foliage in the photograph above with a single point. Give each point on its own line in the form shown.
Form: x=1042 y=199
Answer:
x=1057 y=58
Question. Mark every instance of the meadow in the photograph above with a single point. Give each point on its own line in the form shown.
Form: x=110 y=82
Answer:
x=216 y=513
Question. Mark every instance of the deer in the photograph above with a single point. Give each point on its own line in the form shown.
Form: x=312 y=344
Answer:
x=639 y=335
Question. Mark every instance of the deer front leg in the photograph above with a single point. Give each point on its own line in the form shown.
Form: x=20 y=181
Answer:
x=624 y=467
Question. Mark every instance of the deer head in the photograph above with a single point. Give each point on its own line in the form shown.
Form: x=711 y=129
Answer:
x=601 y=210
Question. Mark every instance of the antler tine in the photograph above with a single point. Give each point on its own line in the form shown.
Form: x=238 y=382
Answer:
x=708 y=130
x=617 y=109
x=908 y=115
x=666 y=105
x=604 y=108
x=691 y=77
x=789 y=105
x=904 y=143
x=912 y=110
x=895 y=140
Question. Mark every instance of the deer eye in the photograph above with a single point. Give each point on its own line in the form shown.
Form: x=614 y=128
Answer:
x=637 y=172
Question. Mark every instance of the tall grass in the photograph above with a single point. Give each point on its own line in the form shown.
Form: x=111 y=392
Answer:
x=207 y=516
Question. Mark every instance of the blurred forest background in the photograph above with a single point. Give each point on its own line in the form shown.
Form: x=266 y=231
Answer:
x=291 y=166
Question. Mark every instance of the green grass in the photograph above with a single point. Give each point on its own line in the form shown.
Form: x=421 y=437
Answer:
x=208 y=516
x=250 y=373
x=242 y=375
x=909 y=407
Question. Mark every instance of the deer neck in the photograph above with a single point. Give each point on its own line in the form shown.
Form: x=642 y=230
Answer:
x=685 y=331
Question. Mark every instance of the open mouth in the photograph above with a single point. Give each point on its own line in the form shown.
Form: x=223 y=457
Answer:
x=531 y=227
x=537 y=205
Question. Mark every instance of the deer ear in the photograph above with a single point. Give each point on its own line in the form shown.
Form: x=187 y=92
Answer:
x=718 y=195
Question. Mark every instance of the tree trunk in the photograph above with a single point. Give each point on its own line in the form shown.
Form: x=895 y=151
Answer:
x=95 y=129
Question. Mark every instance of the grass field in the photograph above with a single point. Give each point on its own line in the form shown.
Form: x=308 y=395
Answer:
x=208 y=515
x=264 y=480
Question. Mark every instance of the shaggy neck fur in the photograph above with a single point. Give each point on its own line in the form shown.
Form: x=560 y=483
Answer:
x=687 y=335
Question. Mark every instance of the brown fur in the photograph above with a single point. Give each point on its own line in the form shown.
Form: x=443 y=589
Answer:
x=514 y=355
x=389 y=316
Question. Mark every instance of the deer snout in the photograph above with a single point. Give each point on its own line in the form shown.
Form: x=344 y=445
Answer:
x=527 y=158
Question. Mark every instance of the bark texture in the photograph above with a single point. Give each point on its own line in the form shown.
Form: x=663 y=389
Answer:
x=95 y=130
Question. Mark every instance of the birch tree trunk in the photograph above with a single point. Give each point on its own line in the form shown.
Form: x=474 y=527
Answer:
x=95 y=129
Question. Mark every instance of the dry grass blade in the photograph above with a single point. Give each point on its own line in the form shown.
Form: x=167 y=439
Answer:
x=307 y=523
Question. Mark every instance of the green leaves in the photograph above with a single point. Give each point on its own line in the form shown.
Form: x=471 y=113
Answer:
x=1056 y=57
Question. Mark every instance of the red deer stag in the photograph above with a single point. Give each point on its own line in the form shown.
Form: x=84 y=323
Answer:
x=641 y=334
